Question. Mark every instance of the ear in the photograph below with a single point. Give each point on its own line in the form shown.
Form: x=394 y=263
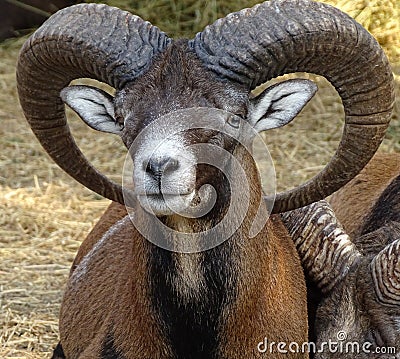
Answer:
x=94 y=106
x=280 y=103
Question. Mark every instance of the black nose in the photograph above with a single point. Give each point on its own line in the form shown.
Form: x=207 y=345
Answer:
x=158 y=166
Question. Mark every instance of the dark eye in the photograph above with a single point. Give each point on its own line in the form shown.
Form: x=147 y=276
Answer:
x=234 y=121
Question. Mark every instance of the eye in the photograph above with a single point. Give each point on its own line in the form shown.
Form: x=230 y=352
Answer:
x=233 y=121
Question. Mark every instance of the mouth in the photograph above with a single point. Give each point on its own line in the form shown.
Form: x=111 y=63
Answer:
x=193 y=204
x=165 y=197
x=159 y=194
x=166 y=203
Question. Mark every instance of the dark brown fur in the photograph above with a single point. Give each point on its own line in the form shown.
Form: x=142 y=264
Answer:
x=176 y=80
x=267 y=302
x=114 y=212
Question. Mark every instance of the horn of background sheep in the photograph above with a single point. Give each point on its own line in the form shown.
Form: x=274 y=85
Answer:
x=325 y=250
x=385 y=270
x=255 y=45
x=87 y=40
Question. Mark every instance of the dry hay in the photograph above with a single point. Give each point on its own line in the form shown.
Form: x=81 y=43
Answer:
x=44 y=215
x=379 y=17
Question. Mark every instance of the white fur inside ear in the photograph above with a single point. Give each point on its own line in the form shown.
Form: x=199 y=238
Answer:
x=94 y=106
x=280 y=104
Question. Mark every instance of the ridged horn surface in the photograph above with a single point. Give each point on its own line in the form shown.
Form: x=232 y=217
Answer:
x=277 y=37
x=385 y=270
x=86 y=40
x=326 y=252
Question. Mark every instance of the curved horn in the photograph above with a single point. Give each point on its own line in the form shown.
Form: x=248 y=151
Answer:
x=277 y=37
x=385 y=270
x=87 y=40
x=326 y=252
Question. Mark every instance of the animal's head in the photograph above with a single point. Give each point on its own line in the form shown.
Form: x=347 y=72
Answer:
x=359 y=282
x=175 y=107
x=158 y=78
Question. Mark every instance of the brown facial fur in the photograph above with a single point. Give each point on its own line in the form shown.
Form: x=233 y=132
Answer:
x=177 y=79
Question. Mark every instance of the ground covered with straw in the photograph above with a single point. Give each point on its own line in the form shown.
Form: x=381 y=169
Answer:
x=44 y=215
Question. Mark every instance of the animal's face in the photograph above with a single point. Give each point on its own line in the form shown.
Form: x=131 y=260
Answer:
x=180 y=160
x=182 y=124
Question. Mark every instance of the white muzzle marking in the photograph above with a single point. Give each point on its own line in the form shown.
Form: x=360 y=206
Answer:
x=167 y=192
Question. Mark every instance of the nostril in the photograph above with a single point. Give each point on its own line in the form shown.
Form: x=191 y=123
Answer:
x=159 y=165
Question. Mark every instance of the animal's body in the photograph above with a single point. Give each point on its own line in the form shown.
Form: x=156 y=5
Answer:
x=194 y=303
